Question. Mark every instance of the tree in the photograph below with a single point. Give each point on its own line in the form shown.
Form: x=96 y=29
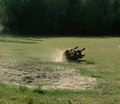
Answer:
x=71 y=17
x=25 y=16
x=115 y=14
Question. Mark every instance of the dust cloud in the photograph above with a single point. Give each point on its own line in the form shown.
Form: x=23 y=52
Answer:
x=57 y=55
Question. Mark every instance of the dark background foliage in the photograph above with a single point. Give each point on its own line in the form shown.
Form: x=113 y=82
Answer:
x=61 y=17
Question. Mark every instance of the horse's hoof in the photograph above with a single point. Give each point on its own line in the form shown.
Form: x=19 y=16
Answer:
x=83 y=48
x=76 y=47
x=83 y=55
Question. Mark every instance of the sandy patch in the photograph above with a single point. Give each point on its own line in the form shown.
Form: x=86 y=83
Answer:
x=49 y=76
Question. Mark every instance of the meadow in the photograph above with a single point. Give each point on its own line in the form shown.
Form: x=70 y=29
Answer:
x=102 y=61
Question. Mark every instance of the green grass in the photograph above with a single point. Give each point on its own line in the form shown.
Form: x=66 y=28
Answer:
x=102 y=62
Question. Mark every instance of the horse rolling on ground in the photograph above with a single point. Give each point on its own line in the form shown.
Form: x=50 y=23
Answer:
x=73 y=54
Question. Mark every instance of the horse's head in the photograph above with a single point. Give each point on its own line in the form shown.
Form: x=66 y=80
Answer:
x=79 y=54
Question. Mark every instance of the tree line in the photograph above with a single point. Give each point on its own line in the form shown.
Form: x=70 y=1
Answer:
x=60 y=17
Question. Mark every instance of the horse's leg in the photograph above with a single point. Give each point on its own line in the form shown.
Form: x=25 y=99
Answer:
x=73 y=48
x=82 y=49
x=83 y=55
x=79 y=51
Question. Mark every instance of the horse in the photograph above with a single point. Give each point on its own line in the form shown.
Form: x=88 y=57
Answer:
x=73 y=54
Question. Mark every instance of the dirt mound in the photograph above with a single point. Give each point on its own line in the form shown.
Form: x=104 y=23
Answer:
x=49 y=76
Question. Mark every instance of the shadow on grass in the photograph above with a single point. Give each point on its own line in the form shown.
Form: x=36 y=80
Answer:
x=76 y=61
x=81 y=61
x=14 y=41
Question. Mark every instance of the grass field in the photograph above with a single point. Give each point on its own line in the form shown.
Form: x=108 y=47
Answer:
x=102 y=62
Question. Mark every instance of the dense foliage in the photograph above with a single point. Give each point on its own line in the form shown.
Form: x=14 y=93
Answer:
x=37 y=17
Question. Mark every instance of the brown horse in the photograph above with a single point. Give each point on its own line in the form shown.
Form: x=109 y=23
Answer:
x=73 y=54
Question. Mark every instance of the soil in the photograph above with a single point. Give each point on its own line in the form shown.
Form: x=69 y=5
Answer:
x=49 y=76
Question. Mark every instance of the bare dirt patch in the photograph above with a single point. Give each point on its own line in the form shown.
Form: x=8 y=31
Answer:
x=49 y=76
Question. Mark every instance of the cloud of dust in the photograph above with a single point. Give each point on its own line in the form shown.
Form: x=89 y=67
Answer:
x=56 y=56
